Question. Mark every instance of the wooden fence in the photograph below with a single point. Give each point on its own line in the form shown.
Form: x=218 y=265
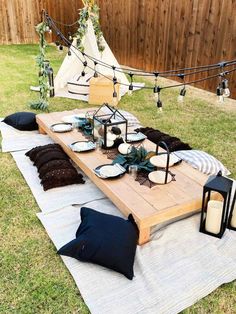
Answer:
x=146 y=34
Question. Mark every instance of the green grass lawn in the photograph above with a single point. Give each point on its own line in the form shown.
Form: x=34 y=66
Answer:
x=33 y=278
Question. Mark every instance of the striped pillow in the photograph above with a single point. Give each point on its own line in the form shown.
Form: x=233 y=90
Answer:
x=132 y=120
x=203 y=162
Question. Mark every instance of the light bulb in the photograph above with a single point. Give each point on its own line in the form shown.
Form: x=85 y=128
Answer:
x=180 y=98
x=226 y=92
x=115 y=99
x=219 y=93
x=130 y=91
x=225 y=86
x=156 y=91
x=159 y=105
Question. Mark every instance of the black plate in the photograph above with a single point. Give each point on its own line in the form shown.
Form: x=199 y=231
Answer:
x=112 y=177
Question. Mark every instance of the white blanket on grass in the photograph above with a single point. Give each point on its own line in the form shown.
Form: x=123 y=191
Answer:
x=58 y=197
x=172 y=272
x=15 y=140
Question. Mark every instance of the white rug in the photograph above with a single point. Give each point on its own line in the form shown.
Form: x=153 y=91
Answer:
x=15 y=140
x=58 y=197
x=174 y=270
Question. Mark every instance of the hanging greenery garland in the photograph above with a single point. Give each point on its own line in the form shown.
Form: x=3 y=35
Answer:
x=43 y=64
x=90 y=10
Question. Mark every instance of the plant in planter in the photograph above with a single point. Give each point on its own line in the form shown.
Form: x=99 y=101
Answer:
x=137 y=156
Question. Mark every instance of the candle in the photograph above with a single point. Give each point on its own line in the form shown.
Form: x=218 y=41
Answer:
x=214 y=216
x=233 y=219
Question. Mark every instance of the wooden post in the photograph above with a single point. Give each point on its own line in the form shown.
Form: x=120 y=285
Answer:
x=144 y=235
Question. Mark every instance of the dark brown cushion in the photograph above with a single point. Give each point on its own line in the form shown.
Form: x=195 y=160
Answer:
x=33 y=152
x=48 y=156
x=156 y=136
x=54 y=165
x=61 y=177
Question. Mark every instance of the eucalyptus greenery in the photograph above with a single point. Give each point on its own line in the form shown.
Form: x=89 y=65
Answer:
x=90 y=10
x=44 y=87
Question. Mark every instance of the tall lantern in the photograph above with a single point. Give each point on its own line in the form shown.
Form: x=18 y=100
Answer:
x=232 y=215
x=109 y=126
x=214 y=214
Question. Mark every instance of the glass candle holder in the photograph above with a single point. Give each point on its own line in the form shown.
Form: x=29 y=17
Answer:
x=133 y=171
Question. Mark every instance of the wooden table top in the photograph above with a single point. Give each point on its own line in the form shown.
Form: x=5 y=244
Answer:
x=149 y=206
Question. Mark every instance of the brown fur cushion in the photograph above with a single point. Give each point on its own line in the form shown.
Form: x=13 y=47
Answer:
x=33 y=152
x=54 y=165
x=156 y=136
x=48 y=156
x=61 y=177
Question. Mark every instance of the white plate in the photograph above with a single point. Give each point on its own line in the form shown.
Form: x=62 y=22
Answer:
x=83 y=146
x=161 y=160
x=159 y=177
x=73 y=118
x=61 y=128
x=109 y=171
x=135 y=137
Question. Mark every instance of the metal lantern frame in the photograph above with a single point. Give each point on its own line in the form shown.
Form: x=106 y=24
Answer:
x=104 y=119
x=231 y=213
x=223 y=186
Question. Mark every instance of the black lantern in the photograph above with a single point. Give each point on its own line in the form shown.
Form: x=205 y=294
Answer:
x=109 y=126
x=232 y=215
x=214 y=213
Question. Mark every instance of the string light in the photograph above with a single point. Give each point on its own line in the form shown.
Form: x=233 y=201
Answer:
x=156 y=88
x=182 y=92
x=159 y=102
x=85 y=63
x=70 y=36
x=225 y=87
x=95 y=71
x=224 y=92
x=115 y=98
x=219 y=93
x=130 y=91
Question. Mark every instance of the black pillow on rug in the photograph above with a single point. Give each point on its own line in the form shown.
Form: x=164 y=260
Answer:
x=105 y=240
x=61 y=177
x=54 y=165
x=23 y=121
x=48 y=156
x=34 y=151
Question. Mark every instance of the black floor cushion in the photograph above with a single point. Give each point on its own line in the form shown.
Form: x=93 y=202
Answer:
x=23 y=121
x=61 y=177
x=54 y=165
x=106 y=240
x=156 y=136
x=34 y=151
x=48 y=156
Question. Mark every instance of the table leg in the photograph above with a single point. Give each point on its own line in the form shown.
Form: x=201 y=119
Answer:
x=41 y=130
x=144 y=235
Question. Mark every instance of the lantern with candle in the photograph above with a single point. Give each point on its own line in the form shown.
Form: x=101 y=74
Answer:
x=109 y=126
x=214 y=213
x=232 y=215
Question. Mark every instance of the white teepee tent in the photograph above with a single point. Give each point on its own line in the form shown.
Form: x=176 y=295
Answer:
x=72 y=67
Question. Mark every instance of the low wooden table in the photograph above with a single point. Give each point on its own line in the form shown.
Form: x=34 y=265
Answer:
x=149 y=206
